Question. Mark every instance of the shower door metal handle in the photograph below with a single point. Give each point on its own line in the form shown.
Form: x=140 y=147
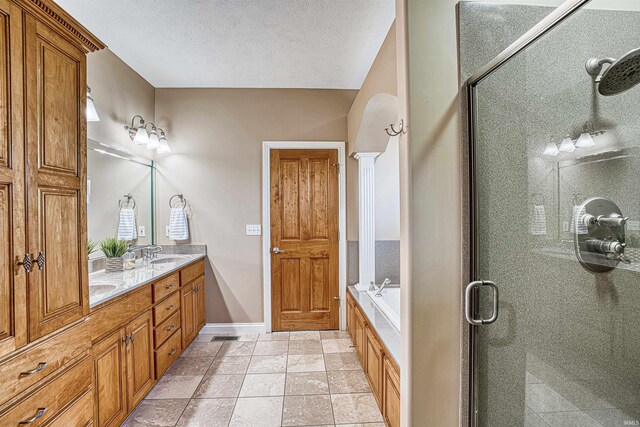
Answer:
x=468 y=307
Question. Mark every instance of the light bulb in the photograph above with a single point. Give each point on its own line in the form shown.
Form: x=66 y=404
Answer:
x=92 y=114
x=585 y=140
x=154 y=142
x=164 y=145
x=551 y=149
x=142 y=137
x=567 y=145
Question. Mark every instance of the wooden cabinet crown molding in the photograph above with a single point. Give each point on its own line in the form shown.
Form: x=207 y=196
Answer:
x=51 y=13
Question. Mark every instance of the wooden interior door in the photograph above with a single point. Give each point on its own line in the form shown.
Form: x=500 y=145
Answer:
x=13 y=297
x=304 y=229
x=56 y=156
x=109 y=361
x=140 y=370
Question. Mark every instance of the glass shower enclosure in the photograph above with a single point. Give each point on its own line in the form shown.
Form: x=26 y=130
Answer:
x=554 y=174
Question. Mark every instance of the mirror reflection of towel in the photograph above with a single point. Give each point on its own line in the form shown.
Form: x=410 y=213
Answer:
x=178 y=224
x=538 y=221
x=127 y=225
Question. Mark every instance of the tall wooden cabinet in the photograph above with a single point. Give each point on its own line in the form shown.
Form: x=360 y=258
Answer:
x=44 y=301
x=13 y=309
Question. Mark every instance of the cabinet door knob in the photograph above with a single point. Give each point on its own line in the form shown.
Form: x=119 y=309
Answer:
x=38 y=415
x=133 y=336
x=35 y=370
x=26 y=263
x=40 y=260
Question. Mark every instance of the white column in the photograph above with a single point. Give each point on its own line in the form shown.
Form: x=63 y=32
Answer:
x=367 y=217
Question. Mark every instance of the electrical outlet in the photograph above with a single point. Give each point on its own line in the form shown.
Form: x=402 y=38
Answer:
x=166 y=231
x=254 y=230
x=141 y=231
x=565 y=225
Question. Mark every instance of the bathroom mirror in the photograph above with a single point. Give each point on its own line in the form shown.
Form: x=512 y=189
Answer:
x=118 y=180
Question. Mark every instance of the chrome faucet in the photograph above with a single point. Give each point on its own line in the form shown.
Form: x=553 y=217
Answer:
x=385 y=283
x=151 y=252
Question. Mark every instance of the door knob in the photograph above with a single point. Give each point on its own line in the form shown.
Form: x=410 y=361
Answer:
x=277 y=250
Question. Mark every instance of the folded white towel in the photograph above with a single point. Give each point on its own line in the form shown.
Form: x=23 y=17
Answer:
x=576 y=218
x=178 y=224
x=538 y=221
x=127 y=225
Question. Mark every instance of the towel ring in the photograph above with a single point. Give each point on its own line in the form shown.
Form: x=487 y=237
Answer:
x=130 y=199
x=534 y=195
x=182 y=199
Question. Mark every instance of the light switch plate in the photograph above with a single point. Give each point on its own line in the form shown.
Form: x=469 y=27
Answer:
x=142 y=232
x=254 y=230
x=565 y=225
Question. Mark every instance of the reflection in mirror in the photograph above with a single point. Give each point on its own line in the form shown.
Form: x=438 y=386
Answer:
x=119 y=196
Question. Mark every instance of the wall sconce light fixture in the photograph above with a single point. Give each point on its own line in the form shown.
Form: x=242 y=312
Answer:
x=551 y=149
x=140 y=136
x=92 y=114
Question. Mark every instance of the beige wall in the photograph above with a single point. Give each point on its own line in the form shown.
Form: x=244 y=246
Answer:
x=216 y=138
x=432 y=268
x=119 y=94
x=380 y=79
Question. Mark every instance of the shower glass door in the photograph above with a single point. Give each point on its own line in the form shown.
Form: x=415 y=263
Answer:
x=547 y=149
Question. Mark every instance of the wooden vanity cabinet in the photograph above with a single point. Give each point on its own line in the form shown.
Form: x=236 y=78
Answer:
x=124 y=370
x=201 y=312
x=13 y=298
x=380 y=368
x=192 y=301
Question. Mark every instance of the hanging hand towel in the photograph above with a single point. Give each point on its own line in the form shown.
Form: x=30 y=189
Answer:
x=576 y=218
x=538 y=221
x=127 y=225
x=178 y=224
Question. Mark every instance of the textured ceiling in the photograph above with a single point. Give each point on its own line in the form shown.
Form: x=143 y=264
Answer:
x=241 y=43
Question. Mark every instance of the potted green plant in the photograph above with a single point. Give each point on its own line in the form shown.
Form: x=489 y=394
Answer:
x=113 y=249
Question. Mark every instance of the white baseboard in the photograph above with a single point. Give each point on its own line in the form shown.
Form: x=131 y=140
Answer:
x=232 y=328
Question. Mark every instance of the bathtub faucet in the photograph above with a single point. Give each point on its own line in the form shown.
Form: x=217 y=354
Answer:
x=385 y=283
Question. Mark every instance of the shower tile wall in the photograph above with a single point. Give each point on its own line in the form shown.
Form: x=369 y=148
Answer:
x=562 y=328
x=387 y=261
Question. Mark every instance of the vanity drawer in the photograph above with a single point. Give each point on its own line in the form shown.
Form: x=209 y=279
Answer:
x=31 y=366
x=108 y=318
x=166 y=328
x=168 y=352
x=48 y=402
x=166 y=308
x=165 y=287
x=191 y=272
x=80 y=413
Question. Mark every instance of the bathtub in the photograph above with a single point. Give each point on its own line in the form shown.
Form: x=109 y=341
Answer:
x=388 y=303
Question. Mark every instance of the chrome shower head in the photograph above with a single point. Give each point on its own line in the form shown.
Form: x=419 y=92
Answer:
x=620 y=76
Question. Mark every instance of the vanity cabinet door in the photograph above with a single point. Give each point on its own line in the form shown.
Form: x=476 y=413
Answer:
x=109 y=360
x=374 y=364
x=350 y=316
x=140 y=370
x=188 y=310
x=56 y=177
x=13 y=315
x=359 y=333
x=201 y=315
x=391 y=395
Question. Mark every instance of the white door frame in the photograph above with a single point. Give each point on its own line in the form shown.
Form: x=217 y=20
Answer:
x=267 y=146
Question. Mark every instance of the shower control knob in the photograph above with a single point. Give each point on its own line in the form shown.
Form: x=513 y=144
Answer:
x=589 y=221
x=605 y=246
x=614 y=220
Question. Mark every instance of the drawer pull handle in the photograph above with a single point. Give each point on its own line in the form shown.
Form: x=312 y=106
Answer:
x=38 y=415
x=172 y=352
x=169 y=287
x=172 y=328
x=37 y=369
x=171 y=307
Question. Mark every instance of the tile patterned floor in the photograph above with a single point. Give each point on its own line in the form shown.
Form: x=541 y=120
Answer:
x=281 y=379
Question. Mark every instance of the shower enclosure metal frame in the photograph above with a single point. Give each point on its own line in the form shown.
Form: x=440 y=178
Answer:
x=469 y=88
